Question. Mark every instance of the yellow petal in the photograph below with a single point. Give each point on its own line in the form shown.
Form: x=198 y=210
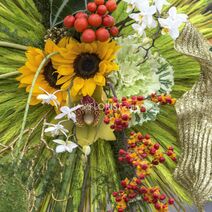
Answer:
x=34 y=101
x=89 y=87
x=63 y=80
x=50 y=46
x=65 y=70
x=78 y=83
x=99 y=79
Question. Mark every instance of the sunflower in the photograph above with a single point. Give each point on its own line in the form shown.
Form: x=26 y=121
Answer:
x=47 y=79
x=83 y=67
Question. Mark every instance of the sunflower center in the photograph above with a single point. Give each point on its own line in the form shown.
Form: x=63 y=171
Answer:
x=51 y=75
x=86 y=65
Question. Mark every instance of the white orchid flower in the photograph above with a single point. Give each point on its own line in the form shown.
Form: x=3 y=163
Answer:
x=178 y=17
x=48 y=97
x=172 y=23
x=139 y=28
x=130 y=5
x=64 y=146
x=145 y=16
x=69 y=112
x=56 y=129
x=159 y=4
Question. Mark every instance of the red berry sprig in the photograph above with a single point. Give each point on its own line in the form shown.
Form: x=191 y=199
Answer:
x=118 y=113
x=142 y=154
x=98 y=24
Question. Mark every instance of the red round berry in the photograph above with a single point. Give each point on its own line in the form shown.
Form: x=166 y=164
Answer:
x=99 y=2
x=123 y=99
x=115 y=194
x=106 y=119
x=169 y=152
x=81 y=24
x=88 y=36
x=108 y=21
x=111 y=5
x=152 y=151
x=123 y=183
x=143 y=109
x=147 y=136
x=161 y=159
x=102 y=34
x=144 y=166
x=120 y=210
x=118 y=199
x=155 y=195
x=157 y=206
x=125 y=117
x=162 y=197
x=69 y=21
x=114 y=31
x=171 y=201
x=156 y=146
x=91 y=7
x=81 y=15
x=95 y=20
x=140 y=98
x=102 y=9
x=122 y=152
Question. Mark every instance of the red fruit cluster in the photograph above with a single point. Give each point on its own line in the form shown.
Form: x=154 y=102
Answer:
x=142 y=154
x=170 y=152
x=163 y=99
x=97 y=24
x=118 y=113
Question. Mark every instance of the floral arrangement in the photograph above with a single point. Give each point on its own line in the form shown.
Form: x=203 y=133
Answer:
x=95 y=78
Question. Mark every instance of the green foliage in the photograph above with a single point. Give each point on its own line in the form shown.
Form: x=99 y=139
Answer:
x=13 y=194
x=20 y=22
x=50 y=8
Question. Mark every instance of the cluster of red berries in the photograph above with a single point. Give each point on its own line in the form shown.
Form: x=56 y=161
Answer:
x=163 y=99
x=118 y=114
x=134 y=188
x=142 y=154
x=97 y=25
x=170 y=152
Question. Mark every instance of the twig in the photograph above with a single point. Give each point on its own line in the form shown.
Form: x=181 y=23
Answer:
x=59 y=11
x=11 y=74
x=61 y=200
x=42 y=137
x=112 y=88
x=155 y=37
x=12 y=143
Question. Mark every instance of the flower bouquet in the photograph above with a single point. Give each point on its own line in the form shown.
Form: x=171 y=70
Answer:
x=87 y=106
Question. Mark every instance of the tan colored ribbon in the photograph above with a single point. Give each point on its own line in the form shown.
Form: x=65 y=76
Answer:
x=194 y=111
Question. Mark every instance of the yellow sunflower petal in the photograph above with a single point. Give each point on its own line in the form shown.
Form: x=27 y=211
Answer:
x=34 y=101
x=50 y=46
x=99 y=79
x=89 y=87
x=65 y=70
x=78 y=83
x=63 y=79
